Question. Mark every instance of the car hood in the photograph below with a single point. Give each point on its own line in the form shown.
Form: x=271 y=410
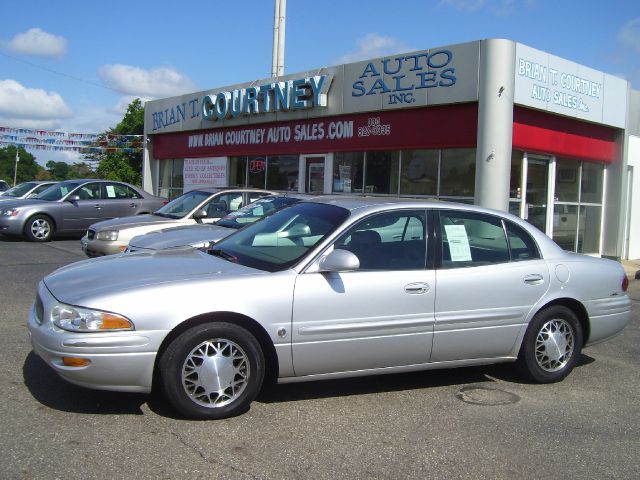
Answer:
x=132 y=222
x=174 y=237
x=108 y=275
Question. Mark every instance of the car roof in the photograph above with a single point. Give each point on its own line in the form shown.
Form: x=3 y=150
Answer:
x=222 y=189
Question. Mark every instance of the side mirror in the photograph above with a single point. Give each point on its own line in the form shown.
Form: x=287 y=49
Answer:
x=73 y=198
x=339 y=261
x=199 y=215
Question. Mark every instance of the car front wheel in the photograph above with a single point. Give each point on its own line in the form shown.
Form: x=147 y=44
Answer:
x=552 y=345
x=212 y=371
x=39 y=228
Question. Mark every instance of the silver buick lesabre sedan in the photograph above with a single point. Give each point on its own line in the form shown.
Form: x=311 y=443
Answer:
x=330 y=288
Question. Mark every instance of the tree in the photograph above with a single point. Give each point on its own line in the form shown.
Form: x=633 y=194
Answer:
x=121 y=164
x=27 y=170
x=81 y=170
x=58 y=170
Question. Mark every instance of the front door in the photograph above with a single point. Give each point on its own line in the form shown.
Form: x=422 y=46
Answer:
x=379 y=316
x=315 y=175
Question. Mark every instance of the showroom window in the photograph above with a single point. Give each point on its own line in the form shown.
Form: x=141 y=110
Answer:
x=563 y=197
x=170 y=180
x=275 y=172
x=448 y=173
x=237 y=171
x=577 y=209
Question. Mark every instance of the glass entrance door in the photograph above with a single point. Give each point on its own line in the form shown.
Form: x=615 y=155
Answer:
x=537 y=193
x=315 y=175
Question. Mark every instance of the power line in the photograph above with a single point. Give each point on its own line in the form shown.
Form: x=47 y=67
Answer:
x=50 y=70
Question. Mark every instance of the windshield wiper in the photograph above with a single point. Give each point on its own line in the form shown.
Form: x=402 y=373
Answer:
x=222 y=254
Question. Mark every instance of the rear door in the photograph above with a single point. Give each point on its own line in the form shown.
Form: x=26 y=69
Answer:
x=489 y=278
x=381 y=315
x=119 y=200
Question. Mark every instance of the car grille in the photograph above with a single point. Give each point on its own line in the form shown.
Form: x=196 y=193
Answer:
x=39 y=309
x=91 y=234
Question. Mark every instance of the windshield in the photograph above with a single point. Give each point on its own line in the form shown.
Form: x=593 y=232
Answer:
x=184 y=204
x=20 y=189
x=281 y=240
x=56 y=192
x=262 y=207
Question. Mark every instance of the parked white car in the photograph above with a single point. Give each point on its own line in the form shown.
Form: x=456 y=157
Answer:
x=208 y=205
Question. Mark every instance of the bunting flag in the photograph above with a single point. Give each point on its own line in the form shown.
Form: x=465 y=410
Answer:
x=84 y=143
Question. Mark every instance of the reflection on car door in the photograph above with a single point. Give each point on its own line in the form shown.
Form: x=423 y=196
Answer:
x=78 y=215
x=119 y=200
x=381 y=315
x=488 y=282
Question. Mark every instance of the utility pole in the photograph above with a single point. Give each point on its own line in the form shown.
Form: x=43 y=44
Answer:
x=277 y=63
x=15 y=170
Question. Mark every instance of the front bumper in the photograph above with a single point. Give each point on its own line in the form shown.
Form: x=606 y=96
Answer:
x=99 y=248
x=12 y=225
x=119 y=361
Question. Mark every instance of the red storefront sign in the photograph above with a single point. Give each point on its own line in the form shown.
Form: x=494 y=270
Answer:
x=541 y=132
x=452 y=126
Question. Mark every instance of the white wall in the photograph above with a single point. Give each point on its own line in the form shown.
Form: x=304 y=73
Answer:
x=634 y=218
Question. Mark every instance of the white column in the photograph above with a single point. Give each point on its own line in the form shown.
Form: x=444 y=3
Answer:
x=495 y=123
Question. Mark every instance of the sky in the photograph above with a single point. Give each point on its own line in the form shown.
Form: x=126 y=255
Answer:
x=74 y=66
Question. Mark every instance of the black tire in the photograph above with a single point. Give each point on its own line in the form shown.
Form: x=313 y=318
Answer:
x=228 y=386
x=552 y=345
x=39 y=228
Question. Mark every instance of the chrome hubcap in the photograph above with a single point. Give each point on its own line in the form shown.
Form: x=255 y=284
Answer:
x=554 y=345
x=215 y=373
x=40 y=228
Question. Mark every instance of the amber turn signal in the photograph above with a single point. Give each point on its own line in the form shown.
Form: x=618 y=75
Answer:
x=75 y=362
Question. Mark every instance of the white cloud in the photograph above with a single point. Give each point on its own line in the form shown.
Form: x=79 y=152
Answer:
x=120 y=108
x=38 y=42
x=629 y=34
x=30 y=105
x=155 y=83
x=373 y=45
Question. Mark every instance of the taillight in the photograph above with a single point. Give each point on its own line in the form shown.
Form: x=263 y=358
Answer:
x=625 y=283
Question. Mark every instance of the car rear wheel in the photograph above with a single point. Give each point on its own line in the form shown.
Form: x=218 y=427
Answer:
x=552 y=345
x=212 y=371
x=39 y=228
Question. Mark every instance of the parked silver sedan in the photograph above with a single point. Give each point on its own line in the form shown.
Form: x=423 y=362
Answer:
x=205 y=234
x=331 y=288
x=206 y=204
x=69 y=207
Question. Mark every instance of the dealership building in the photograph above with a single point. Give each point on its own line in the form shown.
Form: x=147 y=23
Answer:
x=491 y=122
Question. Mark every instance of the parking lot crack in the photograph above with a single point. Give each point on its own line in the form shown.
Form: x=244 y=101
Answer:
x=211 y=461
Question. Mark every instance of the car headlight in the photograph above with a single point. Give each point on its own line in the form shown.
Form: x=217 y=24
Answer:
x=108 y=235
x=9 y=212
x=76 y=319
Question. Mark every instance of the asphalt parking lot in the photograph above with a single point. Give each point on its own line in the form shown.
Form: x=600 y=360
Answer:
x=465 y=423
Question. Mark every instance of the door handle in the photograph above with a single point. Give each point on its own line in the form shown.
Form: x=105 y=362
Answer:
x=97 y=206
x=133 y=205
x=533 y=279
x=416 y=288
